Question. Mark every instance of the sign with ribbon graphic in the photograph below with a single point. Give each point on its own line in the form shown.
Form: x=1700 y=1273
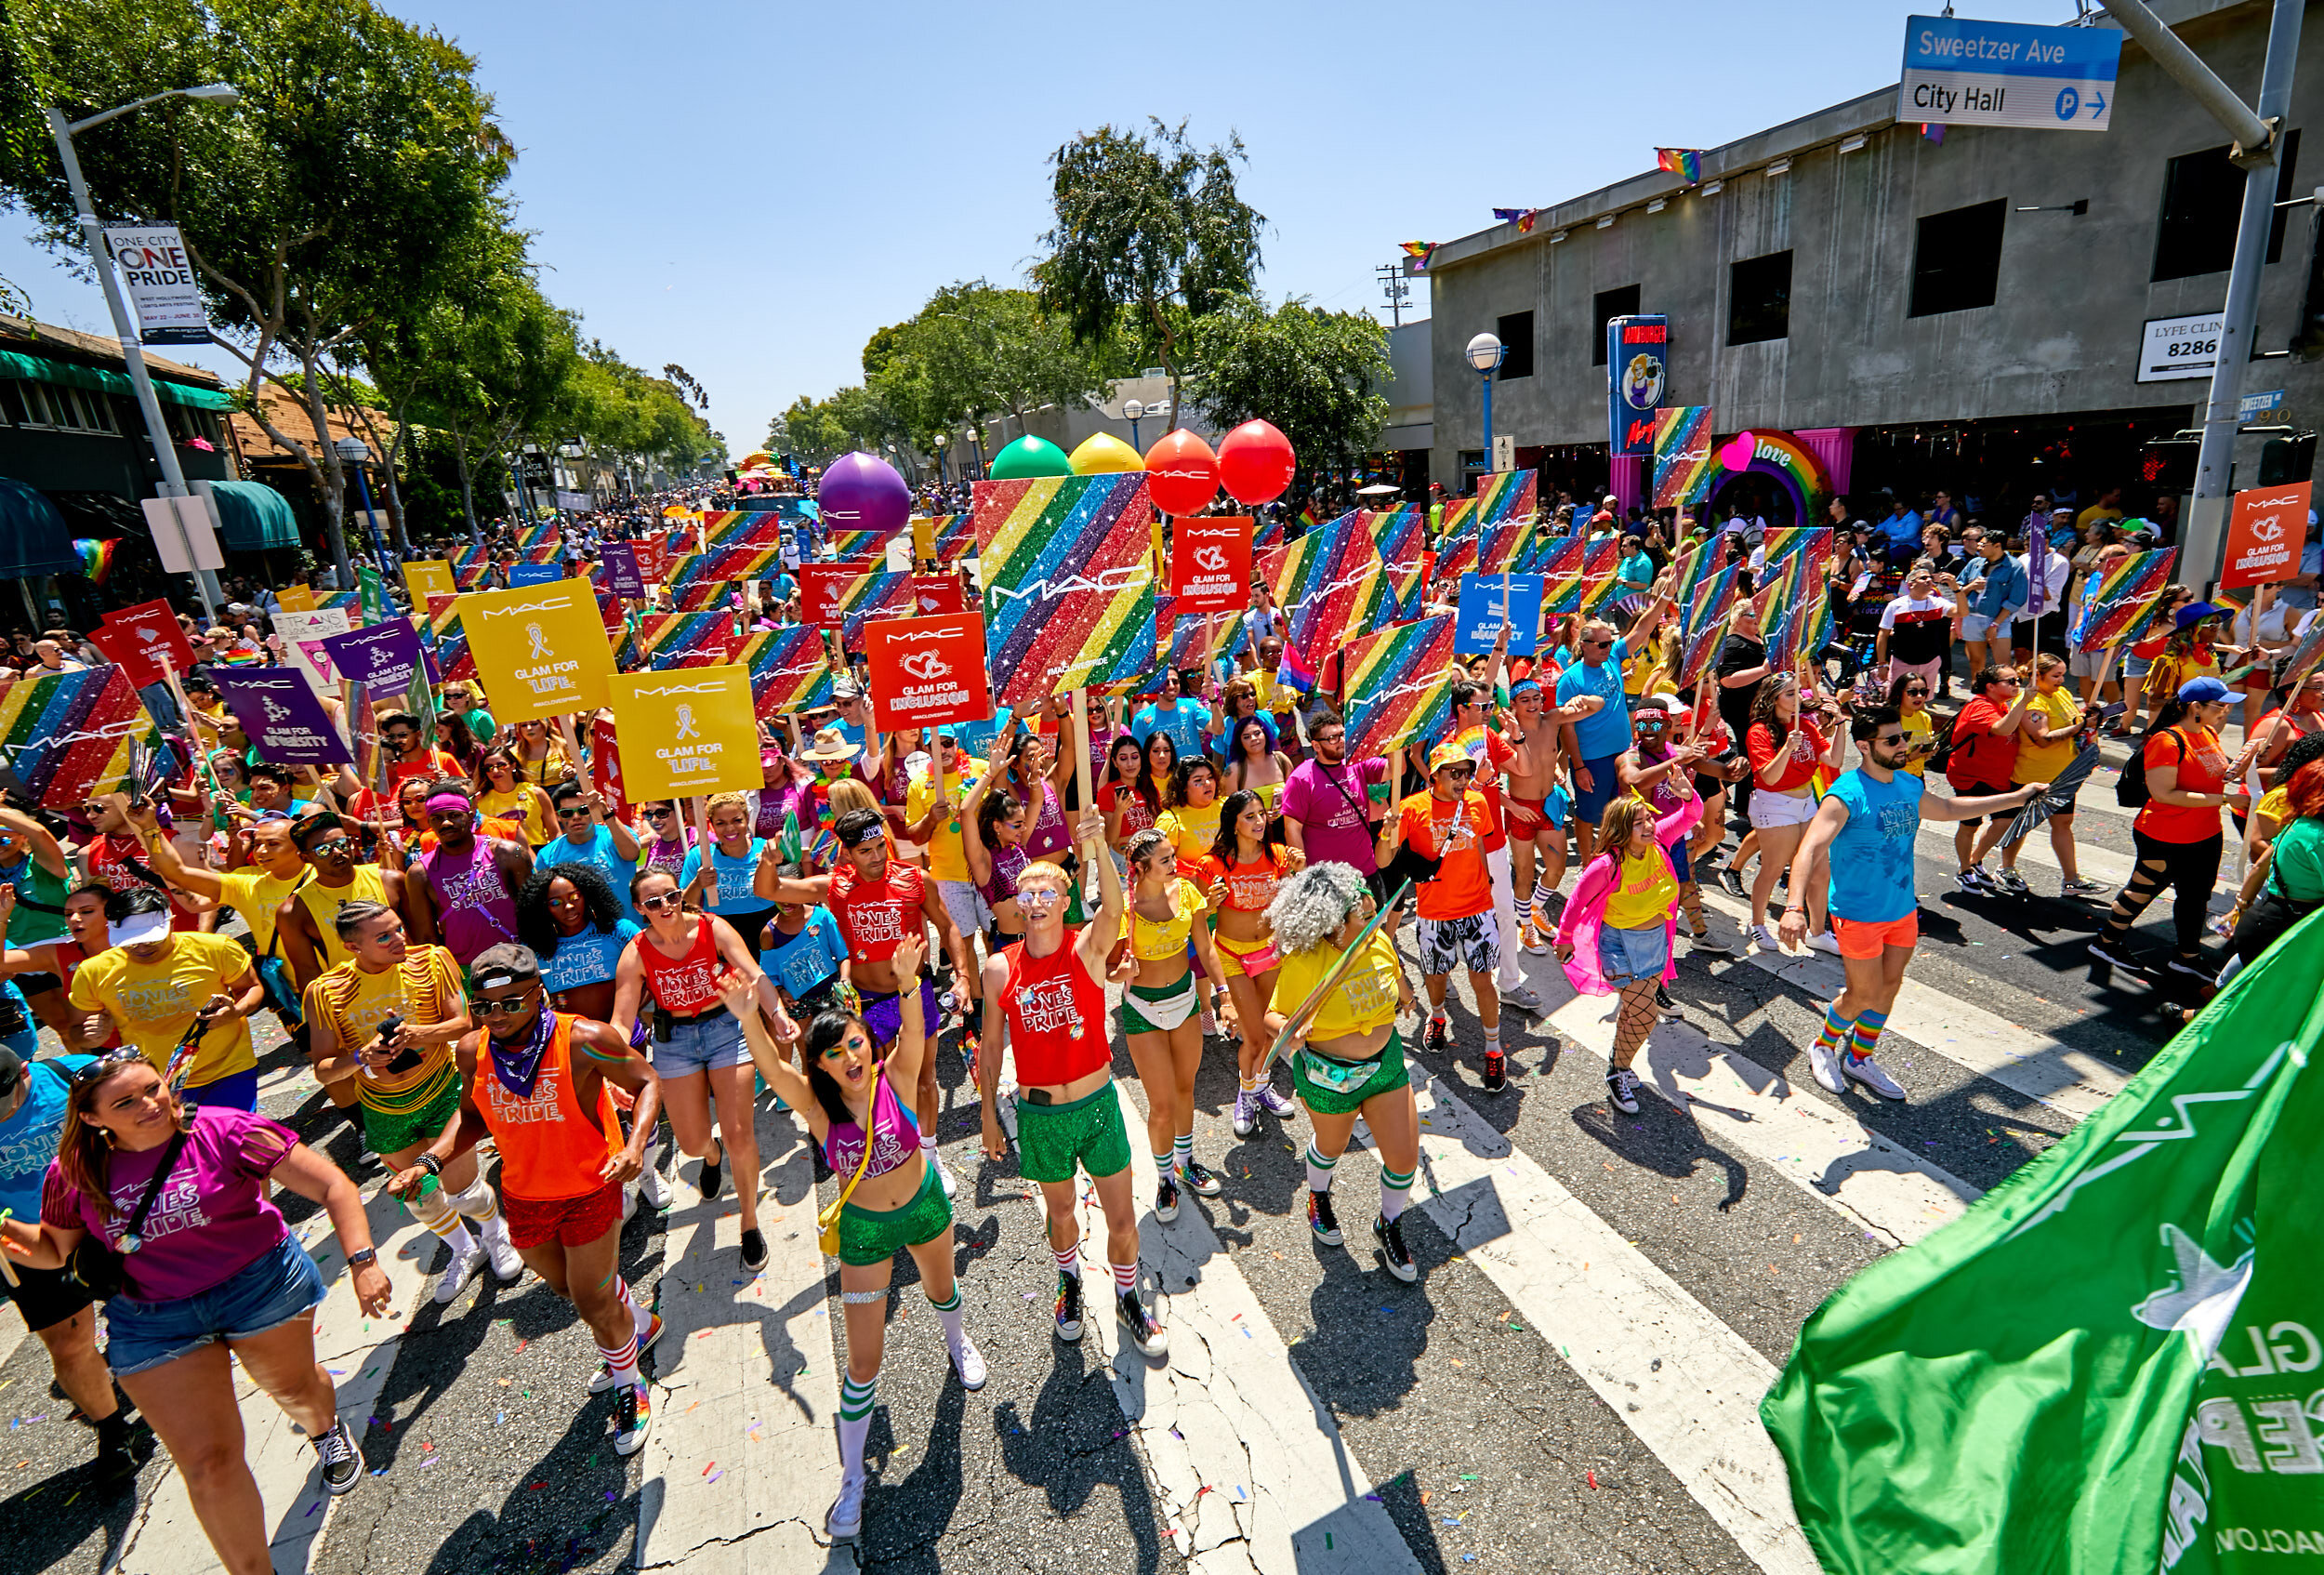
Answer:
x=541 y=652
x=692 y=730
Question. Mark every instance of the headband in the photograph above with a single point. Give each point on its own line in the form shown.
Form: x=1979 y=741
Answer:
x=448 y=804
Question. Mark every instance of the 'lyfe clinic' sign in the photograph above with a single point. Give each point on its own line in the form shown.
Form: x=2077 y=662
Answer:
x=2266 y=534
x=928 y=672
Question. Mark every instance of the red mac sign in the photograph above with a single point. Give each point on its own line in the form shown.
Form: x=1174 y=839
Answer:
x=822 y=585
x=2266 y=534
x=928 y=672
x=1211 y=564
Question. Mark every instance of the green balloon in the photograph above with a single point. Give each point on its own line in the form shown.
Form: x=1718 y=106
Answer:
x=1030 y=455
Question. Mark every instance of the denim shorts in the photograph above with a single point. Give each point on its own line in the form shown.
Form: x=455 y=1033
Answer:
x=269 y=1291
x=707 y=1044
x=1627 y=957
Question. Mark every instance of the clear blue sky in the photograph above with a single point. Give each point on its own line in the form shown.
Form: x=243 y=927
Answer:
x=750 y=191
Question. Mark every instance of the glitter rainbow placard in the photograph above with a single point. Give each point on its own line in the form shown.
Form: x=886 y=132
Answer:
x=1400 y=535
x=1069 y=583
x=1578 y=574
x=1399 y=686
x=885 y=594
x=1331 y=586
x=686 y=640
x=1682 y=459
x=1797 y=607
x=447 y=642
x=849 y=542
x=1703 y=622
x=2122 y=605
x=950 y=536
x=790 y=670
x=1188 y=639
x=68 y=738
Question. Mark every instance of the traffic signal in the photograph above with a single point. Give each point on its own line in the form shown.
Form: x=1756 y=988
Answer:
x=2168 y=463
x=2308 y=338
x=2284 y=461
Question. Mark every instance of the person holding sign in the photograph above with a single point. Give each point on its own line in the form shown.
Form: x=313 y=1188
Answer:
x=1046 y=995
x=1166 y=912
x=1450 y=823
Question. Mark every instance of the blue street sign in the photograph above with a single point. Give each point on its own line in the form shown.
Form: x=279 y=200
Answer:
x=2258 y=403
x=1959 y=71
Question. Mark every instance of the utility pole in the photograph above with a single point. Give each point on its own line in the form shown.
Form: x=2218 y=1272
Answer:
x=1396 y=287
x=2258 y=137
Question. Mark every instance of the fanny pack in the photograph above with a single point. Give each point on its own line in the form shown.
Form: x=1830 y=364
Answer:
x=1341 y=1076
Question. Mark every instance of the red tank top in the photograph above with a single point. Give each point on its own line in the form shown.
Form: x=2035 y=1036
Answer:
x=551 y=1148
x=875 y=915
x=1057 y=1025
x=684 y=986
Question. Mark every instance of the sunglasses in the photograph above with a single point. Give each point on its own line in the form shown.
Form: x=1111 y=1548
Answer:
x=1040 y=899
x=1889 y=740
x=574 y=814
x=657 y=815
x=655 y=904
x=1596 y=644
x=1916 y=689
x=486 y=1008
x=105 y=1066
x=331 y=847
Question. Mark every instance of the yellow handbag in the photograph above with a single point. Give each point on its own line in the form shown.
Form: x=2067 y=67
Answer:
x=827 y=1222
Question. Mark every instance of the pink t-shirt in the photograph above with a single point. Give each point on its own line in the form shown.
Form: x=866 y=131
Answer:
x=212 y=1219
x=1330 y=805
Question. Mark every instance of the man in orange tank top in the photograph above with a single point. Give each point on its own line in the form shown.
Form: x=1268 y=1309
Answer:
x=540 y=1084
x=1047 y=994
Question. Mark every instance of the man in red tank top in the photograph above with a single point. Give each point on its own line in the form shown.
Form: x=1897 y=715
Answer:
x=1047 y=994
x=540 y=1084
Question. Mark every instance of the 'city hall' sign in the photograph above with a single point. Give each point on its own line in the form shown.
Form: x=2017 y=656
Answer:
x=1959 y=71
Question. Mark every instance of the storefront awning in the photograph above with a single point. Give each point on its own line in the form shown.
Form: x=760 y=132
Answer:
x=253 y=516
x=39 y=369
x=33 y=538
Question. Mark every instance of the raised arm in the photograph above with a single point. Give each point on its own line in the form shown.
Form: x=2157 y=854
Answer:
x=1105 y=925
x=1809 y=862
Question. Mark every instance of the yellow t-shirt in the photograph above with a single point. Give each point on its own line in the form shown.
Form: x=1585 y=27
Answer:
x=524 y=804
x=946 y=859
x=1157 y=940
x=325 y=901
x=1366 y=1000
x=1191 y=829
x=1918 y=728
x=256 y=895
x=153 y=1003
x=1643 y=892
x=346 y=1005
x=2041 y=762
x=1274 y=694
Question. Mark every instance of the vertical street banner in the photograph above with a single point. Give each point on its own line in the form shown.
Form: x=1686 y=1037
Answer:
x=281 y=716
x=541 y=652
x=2110 y=1363
x=1637 y=352
x=2266 y=531
x=1211 y=563
x=1069 y=582
x=927 y=672
x=1682 y=464
x=161 y=281
x=687 y=731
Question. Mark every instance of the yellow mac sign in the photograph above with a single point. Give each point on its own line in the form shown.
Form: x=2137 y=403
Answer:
x=540 y=651
x=691 y=730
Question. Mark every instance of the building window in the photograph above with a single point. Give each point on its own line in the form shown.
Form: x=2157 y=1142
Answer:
x=1516 y=336
x=1957 y=259
x=2202 y=205
x=1605 y=306
x=57 y=406
x=1758 y=299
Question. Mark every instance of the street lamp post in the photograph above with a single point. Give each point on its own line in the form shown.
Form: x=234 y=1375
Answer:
x=356 y=454
x=132 y=347
x=1484 y=353
x=1131 y=411
x=940 y=442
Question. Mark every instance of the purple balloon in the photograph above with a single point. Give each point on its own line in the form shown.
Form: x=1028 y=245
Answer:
x=863 y=492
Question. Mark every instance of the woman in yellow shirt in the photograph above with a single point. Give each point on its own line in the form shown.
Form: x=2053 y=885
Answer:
x=1909 y=692
x=507 y=795
x=1347 y=1053
x=2046 y=746
x=1190 y=813
x=1159 y=1000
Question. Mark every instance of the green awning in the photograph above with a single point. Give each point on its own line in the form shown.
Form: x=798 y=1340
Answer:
x=253 y=515
x=39 y=369
x=33 y=538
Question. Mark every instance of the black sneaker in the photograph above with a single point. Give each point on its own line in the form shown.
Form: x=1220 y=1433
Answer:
x=1621 y=1090
x=1663 y=1002
x=1139 y=1324
x=2110 y=948
x=116 y=1458
x=707 y=1182
x=1390 y=1235
x=1322 y=1219
x=1733 y=881
x=753 y=1249
x=1200 y=1179
x=1496 y=1071
x=1166 y=1198
x=2009 y=880
x=633 y=1418
x=1068 y=1306
x=1439 y=1035
x=342 y=1461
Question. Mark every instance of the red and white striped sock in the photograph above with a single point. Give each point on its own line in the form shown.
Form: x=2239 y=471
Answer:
x=623 y=1362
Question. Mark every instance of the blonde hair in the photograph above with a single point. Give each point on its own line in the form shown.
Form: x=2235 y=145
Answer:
x=847 y=794
x=1041 y=874
x=718 y=801
x=1622 y=821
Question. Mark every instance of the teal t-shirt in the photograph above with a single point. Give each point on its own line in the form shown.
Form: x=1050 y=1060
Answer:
x=27 y=924
x=2298 y=867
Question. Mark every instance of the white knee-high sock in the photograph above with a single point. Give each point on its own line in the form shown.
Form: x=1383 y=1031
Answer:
x=855 y=1414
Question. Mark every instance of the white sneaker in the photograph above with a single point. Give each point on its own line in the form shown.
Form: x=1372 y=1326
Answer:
x=969 y=1362
x=462 y=1269
x=845 y=1522
x=1764 y=939
x=1825 y=942
x=651 y=1183
x=943 y=1175
x=1825 y=1063
x=1867 y=1072
x=508 y=1264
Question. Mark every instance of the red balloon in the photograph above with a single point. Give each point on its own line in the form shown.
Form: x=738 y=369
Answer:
x=1182 y=472
x=1255 y=463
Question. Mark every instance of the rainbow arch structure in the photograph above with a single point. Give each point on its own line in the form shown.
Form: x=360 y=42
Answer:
x=1776 y=454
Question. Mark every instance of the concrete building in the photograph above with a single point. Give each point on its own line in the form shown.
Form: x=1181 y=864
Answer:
x=1973 y=313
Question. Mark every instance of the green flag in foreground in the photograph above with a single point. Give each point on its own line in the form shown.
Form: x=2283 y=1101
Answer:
x=2114 y=1363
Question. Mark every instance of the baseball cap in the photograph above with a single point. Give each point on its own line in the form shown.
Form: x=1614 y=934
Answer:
x=2204 y=691
x=509 y=964
x=11 y=1070
x=1445 y=755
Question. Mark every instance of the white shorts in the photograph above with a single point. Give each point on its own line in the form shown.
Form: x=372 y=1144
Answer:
x=1771 y=808
x=2090 y=664
x=1977 y=628
x=966 y=904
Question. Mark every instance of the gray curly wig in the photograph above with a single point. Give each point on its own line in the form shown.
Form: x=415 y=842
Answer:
x=1311 y=906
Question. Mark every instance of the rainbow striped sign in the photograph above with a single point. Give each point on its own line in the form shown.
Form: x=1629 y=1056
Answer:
x=1457 y=551
x=950 y=536
x=1797 y=616
x=1266 y=530
x=1578 y=574
x=2121 y=608
x=1682 y=463
x=790 y=670
x=529 y=537
x=447 y=642
x=1331 y=585
x=1188 y=639
x=686 y=640
x=742 y=528
x=1069 y=583
x=1703 y=622
x=722 y=563
x=1400 y=535
x=885 y=594
x=849 y=542
x=1399 y=686
x=68 y=738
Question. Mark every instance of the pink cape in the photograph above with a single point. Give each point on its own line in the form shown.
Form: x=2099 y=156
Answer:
x=1585 y=910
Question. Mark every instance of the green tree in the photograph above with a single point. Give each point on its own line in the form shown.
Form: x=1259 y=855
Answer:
x=1316 y=375
x=360 y=159
x=1147 y=227
x=973 y=352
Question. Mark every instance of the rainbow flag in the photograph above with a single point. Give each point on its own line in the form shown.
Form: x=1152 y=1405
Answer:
x=884 y=593
x=790 y=670
x=686 y=640
x=952 y=536
x=68 y=738
x=2121 y=608
x=97 y=557
x=1399 y=684
x=530 y=538
x=1309 y=518
x=239 y=657
x=1069 y=583
x=1682 y=462
x=1524 y=218
x=350 y=600
x=1797 y=614
x=1703 y=623
x=447 y=641
x=1400 y=535
x=1419 y=252
x=1684 y=163
x=1578 y=574
x=1331 y=586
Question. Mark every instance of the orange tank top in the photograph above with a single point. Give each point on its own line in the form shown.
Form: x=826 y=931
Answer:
x=551 y=1148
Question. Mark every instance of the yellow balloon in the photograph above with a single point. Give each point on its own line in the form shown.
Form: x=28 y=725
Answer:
x=1105 y=455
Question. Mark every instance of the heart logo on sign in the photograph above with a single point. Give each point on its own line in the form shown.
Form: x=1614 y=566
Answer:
x=924 y=666
x=1736 y=455
x=2269 y=529
x=1209 y=559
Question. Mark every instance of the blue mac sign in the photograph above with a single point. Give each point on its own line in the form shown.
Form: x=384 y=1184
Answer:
x=1960 y=72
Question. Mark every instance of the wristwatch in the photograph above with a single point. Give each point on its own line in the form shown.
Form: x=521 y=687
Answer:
x=361 y=1256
